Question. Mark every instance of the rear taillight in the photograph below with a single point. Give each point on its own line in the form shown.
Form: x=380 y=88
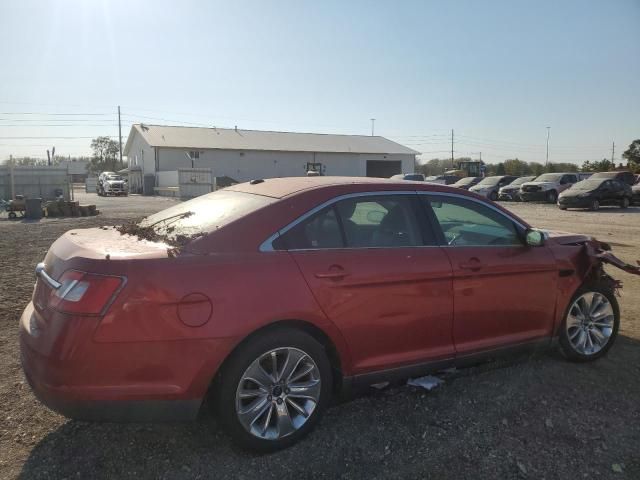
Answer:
x=84 y=293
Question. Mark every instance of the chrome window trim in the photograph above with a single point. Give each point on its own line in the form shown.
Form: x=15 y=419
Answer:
x=267 y=245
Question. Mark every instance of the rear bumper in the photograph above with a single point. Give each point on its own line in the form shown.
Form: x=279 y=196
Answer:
x=113 y=410
x=85 y=380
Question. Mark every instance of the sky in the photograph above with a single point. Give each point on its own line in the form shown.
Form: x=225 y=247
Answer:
x=496 y=72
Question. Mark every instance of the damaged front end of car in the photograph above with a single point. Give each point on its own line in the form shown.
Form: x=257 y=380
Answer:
x=585 y=257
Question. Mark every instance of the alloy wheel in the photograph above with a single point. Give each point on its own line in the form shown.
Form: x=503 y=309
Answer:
x=278 y=393
x=590 y=323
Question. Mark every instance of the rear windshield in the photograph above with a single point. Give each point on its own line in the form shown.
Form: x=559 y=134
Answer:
x=205 y=214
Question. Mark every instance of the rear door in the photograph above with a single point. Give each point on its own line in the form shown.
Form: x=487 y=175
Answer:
x=504 y=290
x=379 y=276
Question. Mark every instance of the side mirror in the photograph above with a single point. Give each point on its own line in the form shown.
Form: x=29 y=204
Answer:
x=534 y=238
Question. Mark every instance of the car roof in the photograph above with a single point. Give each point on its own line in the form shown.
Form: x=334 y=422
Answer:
x=282 y=187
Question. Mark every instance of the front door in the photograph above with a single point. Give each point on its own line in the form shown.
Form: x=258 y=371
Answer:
x=380 y=278
x=504 y=290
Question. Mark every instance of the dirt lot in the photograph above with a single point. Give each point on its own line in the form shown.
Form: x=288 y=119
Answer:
x=526 y=417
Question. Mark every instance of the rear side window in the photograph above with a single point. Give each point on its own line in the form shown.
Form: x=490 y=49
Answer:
x=467 y=223
x=381 y=221
x=361 y=222
x=321 y=230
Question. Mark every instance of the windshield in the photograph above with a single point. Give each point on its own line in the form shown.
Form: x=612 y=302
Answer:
x=114 y=177
x=204 y=214
x=588 y=185
x=549 y=177
x=490 y=181
x=521 y=180
x=465 y=181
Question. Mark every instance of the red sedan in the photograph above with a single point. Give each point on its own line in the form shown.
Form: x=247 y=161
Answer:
x=273 y=296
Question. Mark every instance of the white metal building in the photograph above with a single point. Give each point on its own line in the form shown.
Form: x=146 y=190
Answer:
x=248 y=154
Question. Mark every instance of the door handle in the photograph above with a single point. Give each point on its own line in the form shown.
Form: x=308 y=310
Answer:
x=335 y=272
x=473 y=264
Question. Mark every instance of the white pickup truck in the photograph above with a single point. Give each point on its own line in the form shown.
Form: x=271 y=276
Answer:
x=547 y=187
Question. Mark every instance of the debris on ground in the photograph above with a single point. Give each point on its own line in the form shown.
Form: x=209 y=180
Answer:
x=428 y=382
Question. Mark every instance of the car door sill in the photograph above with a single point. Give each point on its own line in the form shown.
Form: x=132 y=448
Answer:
x=425 y=368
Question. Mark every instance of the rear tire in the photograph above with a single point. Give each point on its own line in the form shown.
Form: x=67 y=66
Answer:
x=595 y=205
x=590 y=324
x=263 y=411
x=625 y=202
x=561 y=207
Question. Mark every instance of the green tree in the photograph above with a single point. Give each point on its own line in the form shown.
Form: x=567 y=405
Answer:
x=516 y=167
x=105 y=155
x=632 y=155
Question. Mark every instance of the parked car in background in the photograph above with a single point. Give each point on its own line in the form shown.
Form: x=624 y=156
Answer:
x=594 y=192
x=490 y=186
x=635 y=191
x=623 y=176
x=342 y=294
x=442 y=179
x=416 y=177
x=547 y=187
x=512 y=191
x=466 y=182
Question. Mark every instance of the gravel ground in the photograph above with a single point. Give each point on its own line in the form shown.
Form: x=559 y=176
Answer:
x=533 y=416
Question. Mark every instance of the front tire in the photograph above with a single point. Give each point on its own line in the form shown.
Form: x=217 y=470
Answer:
x=274 y=389
x=493 y=196
x=590 y=325
x=595 y=205
x=552 y=196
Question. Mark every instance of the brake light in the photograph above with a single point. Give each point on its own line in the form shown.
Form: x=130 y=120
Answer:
x=84 y=293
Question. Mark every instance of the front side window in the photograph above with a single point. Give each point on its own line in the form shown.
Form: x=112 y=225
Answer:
x=467 y=223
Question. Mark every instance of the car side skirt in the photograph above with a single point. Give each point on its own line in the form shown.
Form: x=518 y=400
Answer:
x=356 y=382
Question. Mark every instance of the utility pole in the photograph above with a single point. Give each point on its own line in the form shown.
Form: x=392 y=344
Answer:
x=373 y=121
x=452 y=149
x=120 y=134
x=11 y=182
x=548 y=132
x=613 y=149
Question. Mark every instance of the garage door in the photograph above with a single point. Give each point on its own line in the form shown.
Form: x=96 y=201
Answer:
x=383 y=168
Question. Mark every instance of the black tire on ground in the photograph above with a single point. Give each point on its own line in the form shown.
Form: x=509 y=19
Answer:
x=565 y=345
x=12 y=215
x=562 y=207
x=228 y=381
x=625 y=202
x=552 y=196
x=493 y=196
x=595 y=205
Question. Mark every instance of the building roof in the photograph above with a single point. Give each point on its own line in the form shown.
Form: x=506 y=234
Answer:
x=232 y=139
